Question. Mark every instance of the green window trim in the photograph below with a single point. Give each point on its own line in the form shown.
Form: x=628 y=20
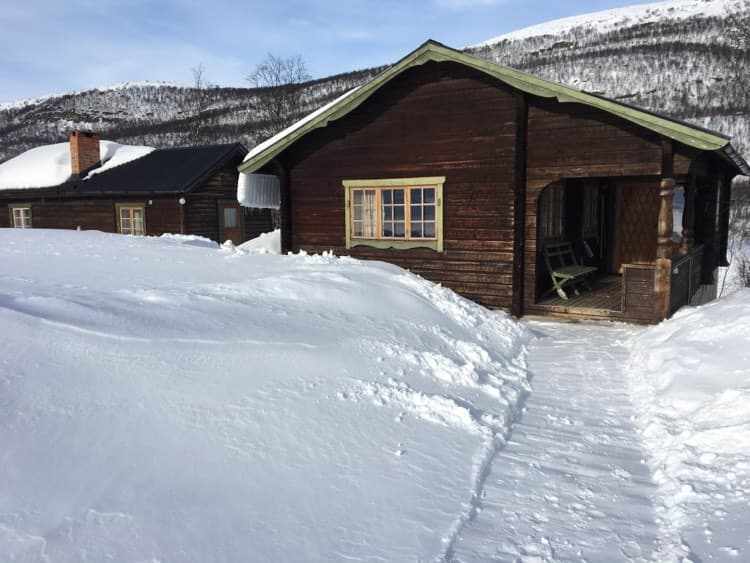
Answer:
x=435 y=244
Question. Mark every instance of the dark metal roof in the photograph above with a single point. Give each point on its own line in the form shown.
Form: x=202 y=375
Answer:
x=163 y=170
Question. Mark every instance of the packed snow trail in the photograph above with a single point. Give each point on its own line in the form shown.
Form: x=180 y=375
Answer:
x=571 y=484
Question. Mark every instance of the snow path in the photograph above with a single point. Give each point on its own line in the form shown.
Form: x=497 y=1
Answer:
x=571 y=484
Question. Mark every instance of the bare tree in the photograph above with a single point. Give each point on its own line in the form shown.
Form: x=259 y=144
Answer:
x=738 y=38
x=200 y=101
x=280 y=96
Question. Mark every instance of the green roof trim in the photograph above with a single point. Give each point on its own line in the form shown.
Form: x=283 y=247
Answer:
x=431 y=51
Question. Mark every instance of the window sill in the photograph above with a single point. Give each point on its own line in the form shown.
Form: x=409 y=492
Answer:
x=397 y=244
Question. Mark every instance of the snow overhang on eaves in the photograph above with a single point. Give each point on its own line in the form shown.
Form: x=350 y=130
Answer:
x=432 y=51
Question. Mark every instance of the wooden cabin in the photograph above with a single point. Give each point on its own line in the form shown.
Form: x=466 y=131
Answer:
x=189 y=190
x=467 y=173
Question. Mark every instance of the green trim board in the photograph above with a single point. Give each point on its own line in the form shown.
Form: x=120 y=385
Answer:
x=435 y=244
x=432 y=51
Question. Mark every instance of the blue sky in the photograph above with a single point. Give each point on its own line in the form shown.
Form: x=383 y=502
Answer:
x=51 y=46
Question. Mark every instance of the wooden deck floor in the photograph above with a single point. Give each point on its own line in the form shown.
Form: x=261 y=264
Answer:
x=606 y=295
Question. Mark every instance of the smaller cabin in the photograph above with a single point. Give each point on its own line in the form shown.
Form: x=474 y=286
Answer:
x=92 y=184
x=468 y=173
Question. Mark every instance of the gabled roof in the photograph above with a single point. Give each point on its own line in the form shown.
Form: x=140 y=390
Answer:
x=171 y=170
x=432 y=51
x=163 y=170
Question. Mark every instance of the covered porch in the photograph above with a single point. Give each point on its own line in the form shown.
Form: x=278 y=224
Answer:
x=649 y=244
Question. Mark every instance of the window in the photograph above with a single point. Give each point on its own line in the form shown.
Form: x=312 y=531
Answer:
x=131 y=219
x=550 y=217
x=230 y=218
x=395 y=213
x=20 y=216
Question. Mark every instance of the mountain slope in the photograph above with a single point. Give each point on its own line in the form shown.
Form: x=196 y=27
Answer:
x=681 y=57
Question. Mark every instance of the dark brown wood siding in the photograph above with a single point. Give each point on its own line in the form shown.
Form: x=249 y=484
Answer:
x=162 y=214
x=202 y=211
x=440 y=119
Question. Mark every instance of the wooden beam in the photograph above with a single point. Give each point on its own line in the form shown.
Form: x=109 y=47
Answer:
x=725 y=202
x=688 y=217
x=663 y=273
x=667 y=158
x=519 y=205
x=285 y=205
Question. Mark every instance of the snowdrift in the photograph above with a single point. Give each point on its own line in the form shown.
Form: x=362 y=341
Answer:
x=168 y=399
x=691 y=382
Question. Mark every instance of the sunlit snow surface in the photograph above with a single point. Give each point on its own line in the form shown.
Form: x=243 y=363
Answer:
x=691 y=382
x=168 y=399
x=50 y=165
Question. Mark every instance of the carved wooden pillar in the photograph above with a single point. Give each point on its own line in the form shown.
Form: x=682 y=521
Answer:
x=663 y=273
x=688 y=218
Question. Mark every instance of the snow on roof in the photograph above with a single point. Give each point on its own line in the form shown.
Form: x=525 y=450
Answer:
x=607 y=20
x=49 y=165
x=297 y=125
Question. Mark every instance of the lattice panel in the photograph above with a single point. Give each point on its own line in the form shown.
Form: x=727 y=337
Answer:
x=637 y=222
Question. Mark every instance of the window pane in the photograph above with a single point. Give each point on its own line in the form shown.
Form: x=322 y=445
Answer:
x=429 y=213
x=388 y=213
x=429 y=230
x=358 y=197
x=416 y=195
x=398 y=229
x=398 y=196
x=230 y=218
x=398 y=213
x=429 y=195
x=357 y=212
x=416 y=230
x=357 y=230
x=416 y=212
x=387 y=229
x=387 y=196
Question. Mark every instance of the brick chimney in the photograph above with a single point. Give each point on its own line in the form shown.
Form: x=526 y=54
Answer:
x=84 y=152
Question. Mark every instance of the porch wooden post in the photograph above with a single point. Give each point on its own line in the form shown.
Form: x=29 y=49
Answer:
x=663 y=273
x=285 y=206
x=688 y=218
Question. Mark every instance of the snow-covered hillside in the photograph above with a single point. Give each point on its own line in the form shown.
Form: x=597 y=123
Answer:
x=685 y=58
x=164 y=399
x=680 y=57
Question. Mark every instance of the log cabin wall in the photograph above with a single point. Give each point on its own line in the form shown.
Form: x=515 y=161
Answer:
x=439 y=119
x=575 y=141
x=97 y=213
x=202 y=211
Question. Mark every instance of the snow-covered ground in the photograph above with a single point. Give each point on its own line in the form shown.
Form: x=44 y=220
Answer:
x=165 y=399
x=169 y=399
x=691 y=382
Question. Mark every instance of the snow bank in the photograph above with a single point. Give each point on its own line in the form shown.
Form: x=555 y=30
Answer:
x=165 y=400
x=49 y=165
x=691 y=382
x=264 y=244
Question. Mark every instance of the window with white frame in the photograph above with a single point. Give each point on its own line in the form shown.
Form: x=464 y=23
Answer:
x=395 y=213
x=131 y=219
x=21 y=216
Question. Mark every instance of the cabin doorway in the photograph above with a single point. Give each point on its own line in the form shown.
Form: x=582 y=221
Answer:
x=581 y=213
x=230 y=222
